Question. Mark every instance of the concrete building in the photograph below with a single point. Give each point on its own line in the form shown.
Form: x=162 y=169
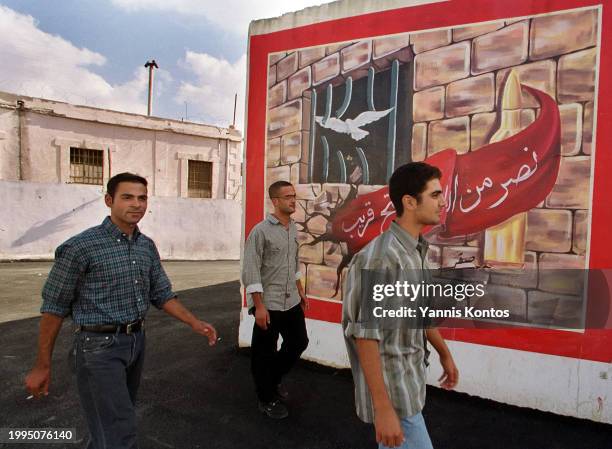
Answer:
x=49 y=141
x=49 y=148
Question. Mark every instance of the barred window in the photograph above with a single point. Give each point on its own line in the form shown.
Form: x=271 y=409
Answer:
x=86 y=166
x=199 y=181
x=362 y=157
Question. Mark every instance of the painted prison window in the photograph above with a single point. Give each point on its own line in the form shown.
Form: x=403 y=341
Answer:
x=361 y=129
x=86 y=166
x=199 y=180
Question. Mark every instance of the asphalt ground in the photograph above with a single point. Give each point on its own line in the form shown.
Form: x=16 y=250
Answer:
x=194 y=396
x=23 y=281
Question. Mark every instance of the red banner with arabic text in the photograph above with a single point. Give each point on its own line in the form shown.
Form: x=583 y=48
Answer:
x=482 y=188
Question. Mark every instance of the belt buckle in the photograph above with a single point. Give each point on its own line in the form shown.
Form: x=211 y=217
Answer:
x=128 y=328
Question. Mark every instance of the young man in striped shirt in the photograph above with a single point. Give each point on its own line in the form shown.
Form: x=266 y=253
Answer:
x=389 y=363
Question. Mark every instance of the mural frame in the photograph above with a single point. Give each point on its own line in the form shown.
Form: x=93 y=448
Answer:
x=592 y=344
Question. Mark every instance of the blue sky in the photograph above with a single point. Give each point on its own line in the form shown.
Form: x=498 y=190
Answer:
x=92 y=52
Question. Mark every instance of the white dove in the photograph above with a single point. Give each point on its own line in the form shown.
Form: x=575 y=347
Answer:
x=353 y=126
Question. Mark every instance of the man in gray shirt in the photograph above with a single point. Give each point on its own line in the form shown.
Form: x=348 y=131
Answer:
x=388 y=363
x=276 y=297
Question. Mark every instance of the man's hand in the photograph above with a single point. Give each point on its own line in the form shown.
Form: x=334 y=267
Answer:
x=37 y=382
x=386 y=423
x=304 y=303
x=174 y=308
x=262 y=317
x=388 y=428
x=449 y=378
x=206 y=329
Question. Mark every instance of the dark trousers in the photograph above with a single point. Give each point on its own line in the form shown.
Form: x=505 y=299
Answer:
x=269 y=365
x=108 y=369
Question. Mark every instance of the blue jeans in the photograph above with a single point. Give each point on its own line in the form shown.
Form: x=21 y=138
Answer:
x=108 y=369
x=415 y=433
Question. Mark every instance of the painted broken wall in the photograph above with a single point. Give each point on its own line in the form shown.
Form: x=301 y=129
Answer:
x=457 y=78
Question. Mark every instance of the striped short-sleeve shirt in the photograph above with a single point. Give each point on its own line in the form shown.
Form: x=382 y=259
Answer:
x=403 y=352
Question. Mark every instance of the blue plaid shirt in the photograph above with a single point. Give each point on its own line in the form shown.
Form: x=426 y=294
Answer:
x=100 y=276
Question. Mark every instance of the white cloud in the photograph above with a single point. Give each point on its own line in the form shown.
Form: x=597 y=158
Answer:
x=232 y=15
x=210 y=98
x=38 y=64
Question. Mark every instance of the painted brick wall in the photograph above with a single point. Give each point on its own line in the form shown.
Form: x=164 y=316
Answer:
x=458 y=81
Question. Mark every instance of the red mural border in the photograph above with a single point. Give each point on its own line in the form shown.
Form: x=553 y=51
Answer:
x=593 y=345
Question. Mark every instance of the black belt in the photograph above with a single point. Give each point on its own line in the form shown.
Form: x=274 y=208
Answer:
x=128 y=328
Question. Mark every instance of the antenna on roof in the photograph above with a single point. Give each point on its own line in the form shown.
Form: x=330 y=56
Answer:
x=151 y=65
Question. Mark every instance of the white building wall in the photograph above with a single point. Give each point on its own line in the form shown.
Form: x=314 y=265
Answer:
x=37 y=217
x=36 y=136
x=9 y=143
x=41 y=208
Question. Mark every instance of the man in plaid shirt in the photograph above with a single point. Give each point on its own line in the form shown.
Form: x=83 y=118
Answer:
x=105 y=278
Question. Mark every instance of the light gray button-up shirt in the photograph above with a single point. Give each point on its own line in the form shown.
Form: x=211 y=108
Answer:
x=403 y=352
x=270 y=264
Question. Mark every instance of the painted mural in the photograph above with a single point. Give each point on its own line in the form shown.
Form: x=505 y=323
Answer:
x=505 y=109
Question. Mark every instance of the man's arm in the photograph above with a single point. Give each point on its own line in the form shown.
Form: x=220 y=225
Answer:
x=302 y=293
x=251 y=276
x=177 y=310
x=262 y=316
x=38 y=380
x=298 y=280
x=58 y=294
x=386 y=422
x=450 y=376
x=165 y=299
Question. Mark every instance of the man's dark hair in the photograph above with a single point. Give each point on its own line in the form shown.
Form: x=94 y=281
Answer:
x=276 y=186
x=410 y=179
x=111 y=186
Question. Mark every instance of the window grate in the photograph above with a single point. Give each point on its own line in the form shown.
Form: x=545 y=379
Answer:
x=86 y=166
x=199 y=181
